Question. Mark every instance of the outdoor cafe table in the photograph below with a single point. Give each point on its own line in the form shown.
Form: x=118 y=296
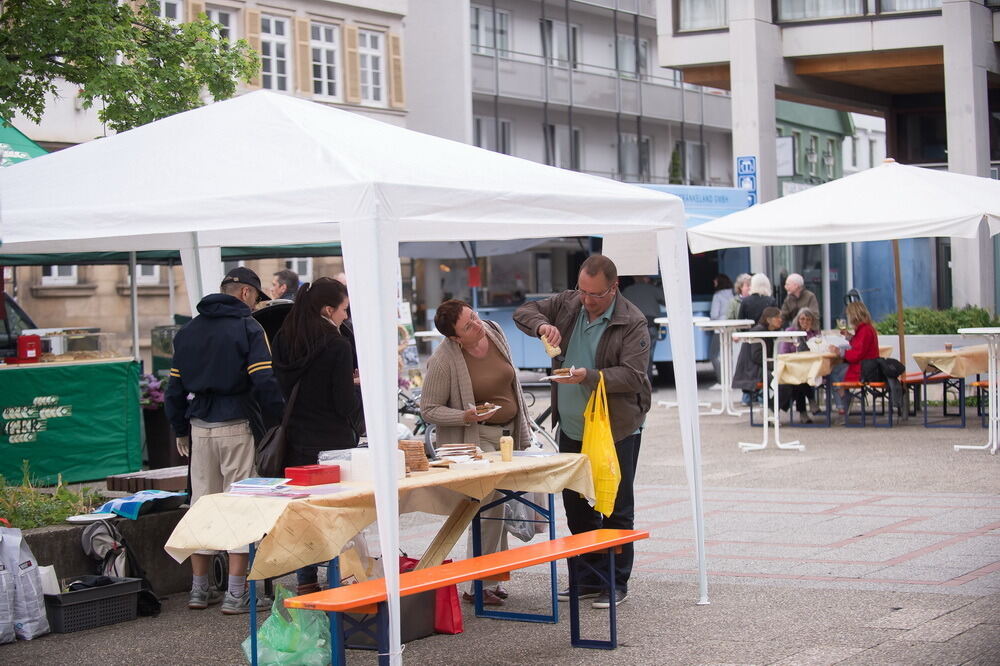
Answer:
x=725 y=328
x=809 y=367
x=960 y=362
x=992 y=335
x=294 y=533
x=759 y=337
x=665 y=321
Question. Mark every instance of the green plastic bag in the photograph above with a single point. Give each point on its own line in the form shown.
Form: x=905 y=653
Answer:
x=291 y=635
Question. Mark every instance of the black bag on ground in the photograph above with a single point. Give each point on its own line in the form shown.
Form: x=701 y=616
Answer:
x=104 y=542
x=269 y=458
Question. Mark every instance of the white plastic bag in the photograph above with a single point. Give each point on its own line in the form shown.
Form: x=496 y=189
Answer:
x=30 y=620
x=519 y=518
x=6 y=604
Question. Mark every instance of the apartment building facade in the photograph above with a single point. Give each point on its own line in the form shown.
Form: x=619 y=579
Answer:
x=929 y=67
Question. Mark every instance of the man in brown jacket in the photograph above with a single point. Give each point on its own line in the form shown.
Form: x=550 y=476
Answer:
x=598 y=330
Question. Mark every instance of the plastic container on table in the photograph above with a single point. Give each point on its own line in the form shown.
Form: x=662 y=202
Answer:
x=313 y=475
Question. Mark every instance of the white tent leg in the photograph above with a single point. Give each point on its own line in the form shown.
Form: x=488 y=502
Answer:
x=202 y=271
x=134 y=302
x=672 y=248
x=371 y=254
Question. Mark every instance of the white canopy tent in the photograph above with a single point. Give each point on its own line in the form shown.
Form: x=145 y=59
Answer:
x=888 y=202
x=266 y=168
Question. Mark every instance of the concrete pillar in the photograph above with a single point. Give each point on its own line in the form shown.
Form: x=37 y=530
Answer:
x=968 y=54
x=754 y=44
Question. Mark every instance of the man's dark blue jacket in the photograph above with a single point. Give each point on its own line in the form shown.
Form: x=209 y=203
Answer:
x=222 y=357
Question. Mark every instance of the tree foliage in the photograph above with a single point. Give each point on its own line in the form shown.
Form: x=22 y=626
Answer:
x=134 y=65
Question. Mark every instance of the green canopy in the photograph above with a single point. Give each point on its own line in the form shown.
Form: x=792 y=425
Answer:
x=15 y=146
x=169 y=256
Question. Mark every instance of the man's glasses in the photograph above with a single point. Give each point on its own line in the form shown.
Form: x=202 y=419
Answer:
x=585 y=294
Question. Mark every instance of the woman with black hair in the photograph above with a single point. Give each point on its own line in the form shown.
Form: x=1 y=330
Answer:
x=312 y=353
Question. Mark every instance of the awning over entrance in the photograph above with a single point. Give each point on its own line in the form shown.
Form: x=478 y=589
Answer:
x=15 y=147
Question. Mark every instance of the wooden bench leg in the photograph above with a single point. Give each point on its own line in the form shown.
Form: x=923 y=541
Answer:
x=574 y=605
x=448 y=535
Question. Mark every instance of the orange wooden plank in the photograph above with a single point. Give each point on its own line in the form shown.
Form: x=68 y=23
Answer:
x=349 y=597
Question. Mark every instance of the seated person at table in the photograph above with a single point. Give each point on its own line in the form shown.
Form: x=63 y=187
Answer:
x=749 y=366
x=470 y=367
x=864 y=346
x=806 y=320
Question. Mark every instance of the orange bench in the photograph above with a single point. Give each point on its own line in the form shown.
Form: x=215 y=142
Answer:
x=917 y=381
x=370 y=596
x=862 y=391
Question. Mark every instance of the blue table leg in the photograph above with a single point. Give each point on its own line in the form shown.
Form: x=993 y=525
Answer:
x=337 y=655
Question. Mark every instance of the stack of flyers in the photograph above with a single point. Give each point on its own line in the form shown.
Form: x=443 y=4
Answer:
x=269 y=487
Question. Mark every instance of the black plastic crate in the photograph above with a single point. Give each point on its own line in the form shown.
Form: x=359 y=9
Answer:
x=93 y=607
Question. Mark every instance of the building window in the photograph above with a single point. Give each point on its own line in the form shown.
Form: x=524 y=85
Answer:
x=855 y=145
x=635 y=158
x=274 y=65
x=301 y=265
x=797 y=152
x=230 y=265
x=172 y=10
x=492 y=134
x=145 y=275
x=702 y=14
x=490 y=31
x=324 y=41
x=830 y=159
x=558 y=47
x=872 y=145
x=909 y=5
x=371 y=65
x=226 y=18
x=562 y=147
x=59 y=275
x=799 y=10
x=812 y=154
x=693 y=154
x=632 y=62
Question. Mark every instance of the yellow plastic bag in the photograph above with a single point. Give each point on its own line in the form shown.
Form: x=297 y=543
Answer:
x=599 y=446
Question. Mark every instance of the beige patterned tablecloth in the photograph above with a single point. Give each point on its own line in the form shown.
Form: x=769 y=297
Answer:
x=961 y=362
x=804 y=367
x=296 y=532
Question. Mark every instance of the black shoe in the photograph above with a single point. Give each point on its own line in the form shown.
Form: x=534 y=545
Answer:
x=584 y=593
x=604 y=599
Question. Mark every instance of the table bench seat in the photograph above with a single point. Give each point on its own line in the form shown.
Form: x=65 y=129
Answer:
x=370 y=596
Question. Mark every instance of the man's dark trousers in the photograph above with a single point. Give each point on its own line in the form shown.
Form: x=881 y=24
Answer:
x=582 y=518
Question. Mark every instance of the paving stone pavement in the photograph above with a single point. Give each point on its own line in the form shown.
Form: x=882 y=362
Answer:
x=869 y=547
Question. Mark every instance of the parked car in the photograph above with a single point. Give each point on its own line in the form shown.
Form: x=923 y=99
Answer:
x=15 y=320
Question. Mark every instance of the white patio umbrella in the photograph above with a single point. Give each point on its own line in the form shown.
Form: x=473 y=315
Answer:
x=887 y=202
x=266 y=168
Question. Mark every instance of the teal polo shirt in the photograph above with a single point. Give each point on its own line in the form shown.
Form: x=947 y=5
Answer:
x=582 y=353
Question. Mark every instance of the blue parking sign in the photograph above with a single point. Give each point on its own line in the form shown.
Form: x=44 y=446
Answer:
x=746 y=165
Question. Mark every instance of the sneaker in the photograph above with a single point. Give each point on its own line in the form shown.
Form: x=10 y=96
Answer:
x=804 y=417
x=490 y=598
x=202 y=599
x=715 y=387
x=240 y=605
x=500 y=591
x=604 y=600
x=585 y=593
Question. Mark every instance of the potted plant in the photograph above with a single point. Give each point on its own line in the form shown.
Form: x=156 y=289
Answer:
x=160 y=448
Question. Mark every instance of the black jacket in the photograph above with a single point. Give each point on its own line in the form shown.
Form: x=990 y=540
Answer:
x=748 y=372
x=322 y=417
x=752 y=307
x=221 y=356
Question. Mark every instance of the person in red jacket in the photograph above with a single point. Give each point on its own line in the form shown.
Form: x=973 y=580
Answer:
x=864 y=346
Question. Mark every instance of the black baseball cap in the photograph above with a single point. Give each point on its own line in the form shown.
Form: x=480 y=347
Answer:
x=248 y=277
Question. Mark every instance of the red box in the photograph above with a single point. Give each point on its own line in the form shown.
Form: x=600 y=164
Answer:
x=313 y=475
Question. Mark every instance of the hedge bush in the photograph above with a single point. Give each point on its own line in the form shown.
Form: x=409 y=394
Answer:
x=925 y=321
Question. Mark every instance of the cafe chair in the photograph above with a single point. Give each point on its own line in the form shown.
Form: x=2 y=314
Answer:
x=878 y=393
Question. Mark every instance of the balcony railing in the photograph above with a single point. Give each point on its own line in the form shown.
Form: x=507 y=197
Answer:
x=533 y=77
x=793 y=11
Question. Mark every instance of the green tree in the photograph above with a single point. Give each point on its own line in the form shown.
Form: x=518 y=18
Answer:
x=676 y=176
x=137 y=66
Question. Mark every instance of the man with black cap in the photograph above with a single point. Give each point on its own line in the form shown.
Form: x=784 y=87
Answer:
x=222 y=358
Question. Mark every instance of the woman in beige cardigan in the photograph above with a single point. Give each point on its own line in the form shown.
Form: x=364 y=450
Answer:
x=470 y=367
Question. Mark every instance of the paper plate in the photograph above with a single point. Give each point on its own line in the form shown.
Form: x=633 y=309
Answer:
x=90 y=517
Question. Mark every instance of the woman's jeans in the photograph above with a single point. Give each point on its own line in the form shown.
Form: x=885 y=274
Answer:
x=840 y=397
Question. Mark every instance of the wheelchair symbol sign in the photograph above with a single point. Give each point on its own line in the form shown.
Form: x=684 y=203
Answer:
x=746 y=165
